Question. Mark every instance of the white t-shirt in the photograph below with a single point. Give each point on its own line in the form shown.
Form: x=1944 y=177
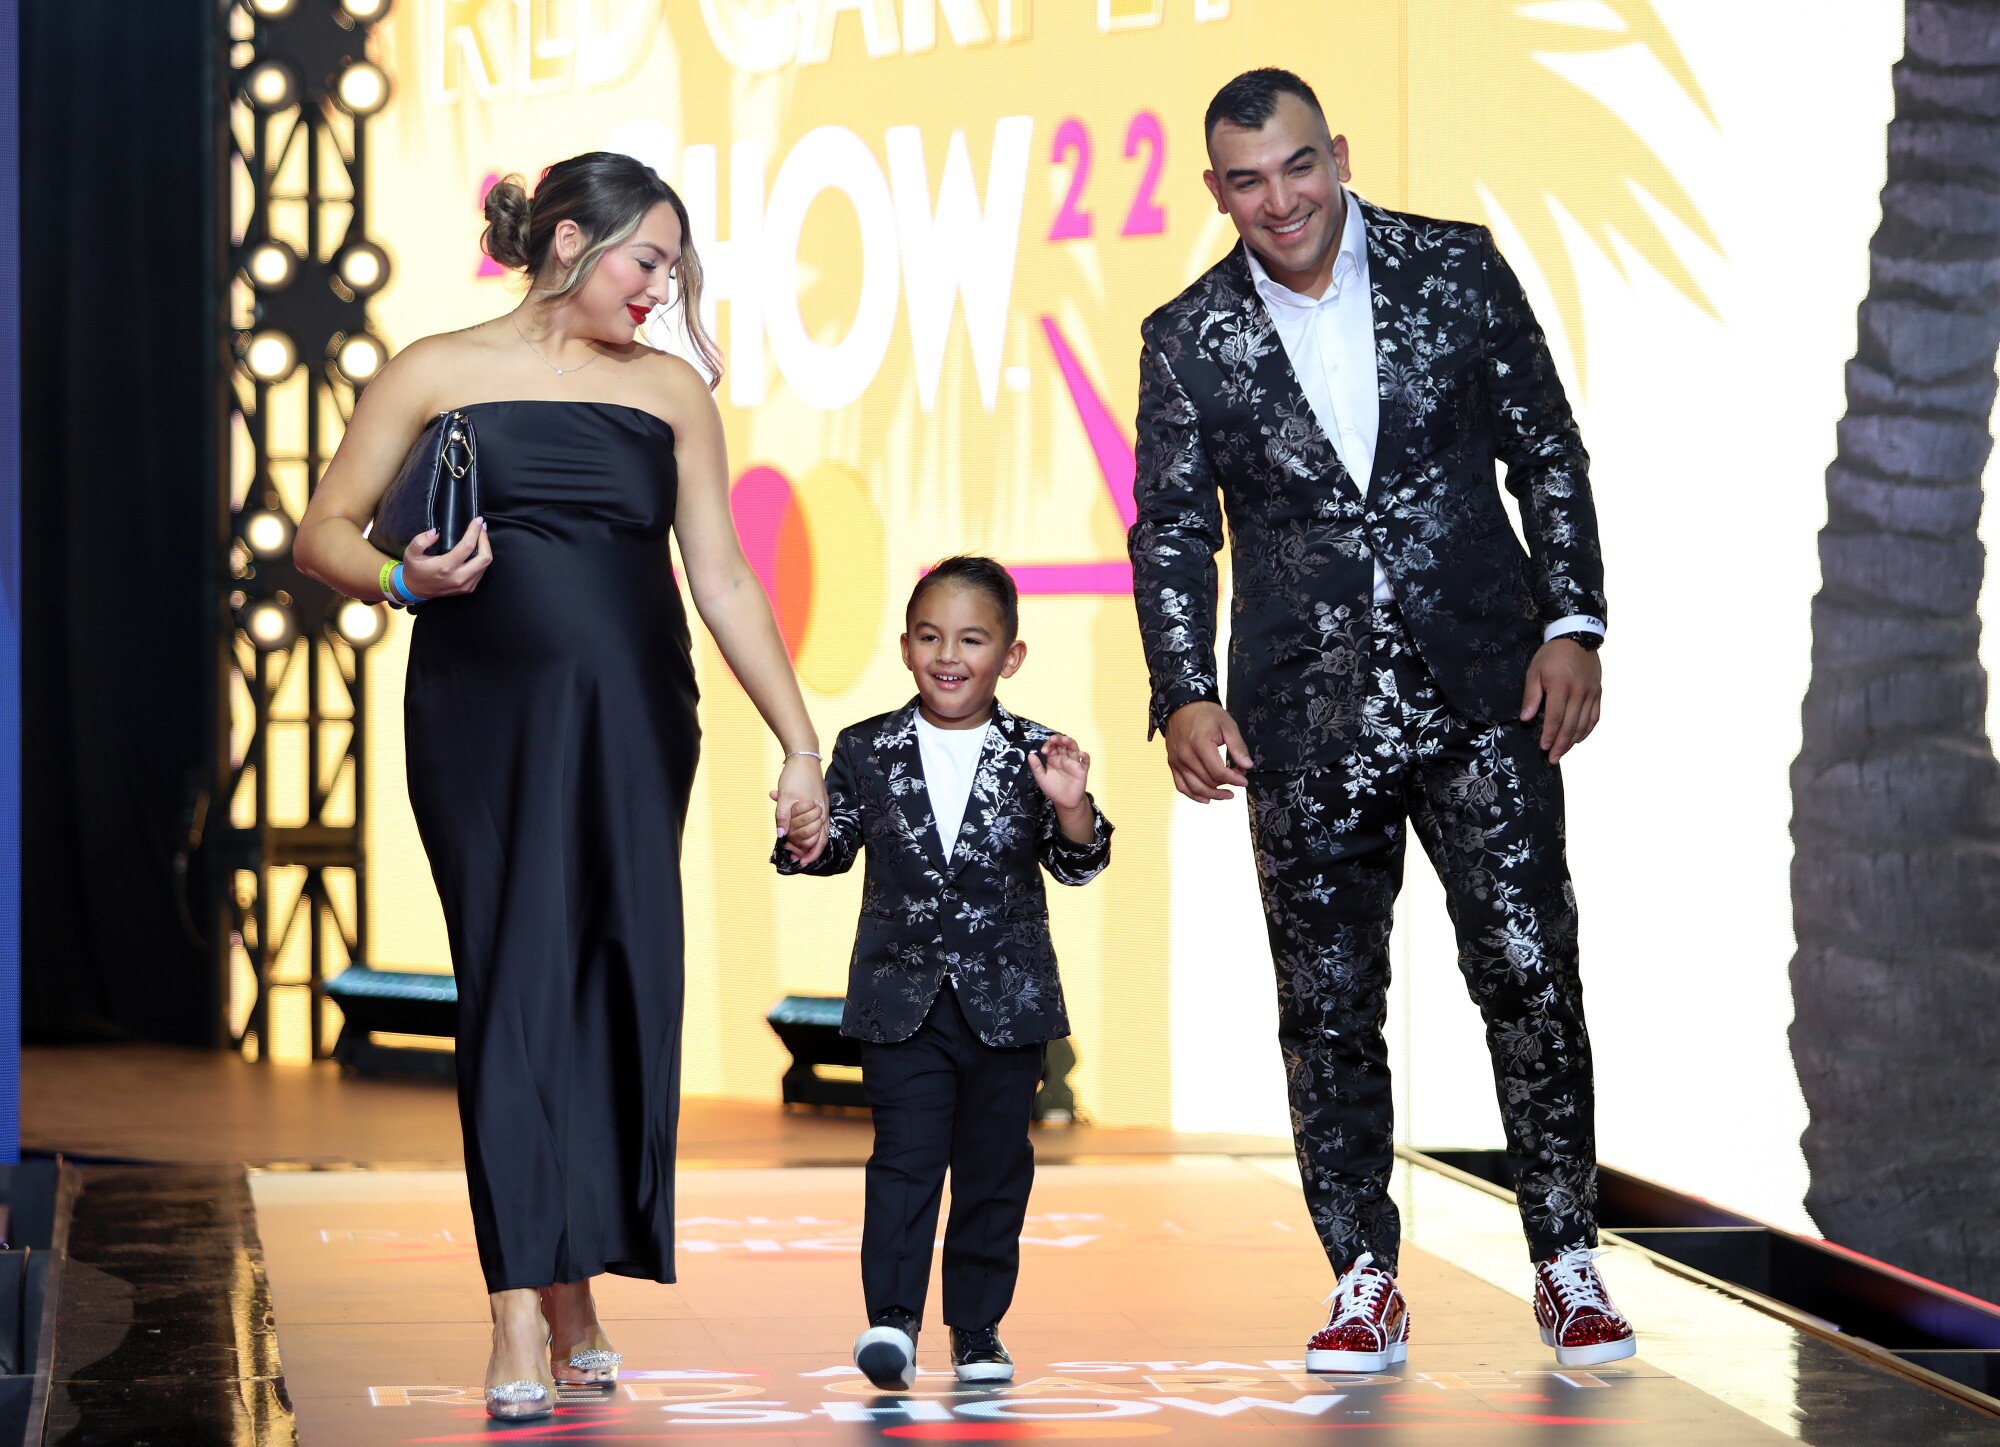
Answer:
x=951 y=758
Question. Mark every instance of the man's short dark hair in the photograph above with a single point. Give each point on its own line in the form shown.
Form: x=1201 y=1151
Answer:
x=982 y=575
x=1251 y=100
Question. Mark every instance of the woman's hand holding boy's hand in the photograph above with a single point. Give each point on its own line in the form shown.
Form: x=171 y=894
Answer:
x=801 y=817
x=806 y=833
x=1062 y=769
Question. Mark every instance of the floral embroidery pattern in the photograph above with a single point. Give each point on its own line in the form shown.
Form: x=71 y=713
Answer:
x=982 y=918
x=1487 y=807
x=1464 y=377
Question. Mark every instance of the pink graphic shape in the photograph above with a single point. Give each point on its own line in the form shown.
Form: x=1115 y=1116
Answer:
x=1115 y=459
x=758 y=503
x=487 y=265
x=1147 y=217
x=1072 y=221
x=1116 y=465
x=1044 y=580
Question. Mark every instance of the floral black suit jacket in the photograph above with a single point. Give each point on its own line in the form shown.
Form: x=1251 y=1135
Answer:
x=1465 y=379
x=981 y=919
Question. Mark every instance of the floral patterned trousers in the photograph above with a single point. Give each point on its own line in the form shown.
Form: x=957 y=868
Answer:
x=1487 y=806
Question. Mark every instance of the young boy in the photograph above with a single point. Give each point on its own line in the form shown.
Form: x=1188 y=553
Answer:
x=952 y=987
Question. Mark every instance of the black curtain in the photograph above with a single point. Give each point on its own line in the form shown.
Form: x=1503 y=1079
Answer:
x=120 y=282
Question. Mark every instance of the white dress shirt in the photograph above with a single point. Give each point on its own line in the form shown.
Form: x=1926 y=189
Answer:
x=1331 y=345
x=951 y=759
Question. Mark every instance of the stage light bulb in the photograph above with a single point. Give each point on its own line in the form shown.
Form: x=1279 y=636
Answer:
x=358 y=622
x=271 y=85
x=271 y=356
x=269 y=624
x=362 y=267
x=272 y=265
x=363 y=88
x=273 y=9
x=267 y=532
x=359 y=358
x=365 y=10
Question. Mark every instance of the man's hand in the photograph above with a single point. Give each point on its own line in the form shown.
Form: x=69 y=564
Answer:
x=1566 y=684
x=1197 y=735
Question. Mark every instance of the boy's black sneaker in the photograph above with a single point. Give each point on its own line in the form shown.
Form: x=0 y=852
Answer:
x=887 y=1351
x=978 y=1356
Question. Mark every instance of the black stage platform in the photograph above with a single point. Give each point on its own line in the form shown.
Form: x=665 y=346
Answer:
x=1165 y=1298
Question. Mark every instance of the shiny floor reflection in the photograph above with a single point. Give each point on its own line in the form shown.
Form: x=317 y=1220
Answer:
x=1159 y=1298
x=164 y=1333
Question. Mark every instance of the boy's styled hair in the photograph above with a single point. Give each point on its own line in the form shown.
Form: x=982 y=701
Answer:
x=1251 y=99
x=980 y=574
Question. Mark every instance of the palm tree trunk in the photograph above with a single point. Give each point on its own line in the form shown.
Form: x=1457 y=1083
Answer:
x=1896 y=794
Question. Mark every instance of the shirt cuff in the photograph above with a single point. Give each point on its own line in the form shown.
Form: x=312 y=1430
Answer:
x=1575 y=623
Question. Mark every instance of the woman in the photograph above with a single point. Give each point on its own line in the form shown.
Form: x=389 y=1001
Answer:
x=550 y=716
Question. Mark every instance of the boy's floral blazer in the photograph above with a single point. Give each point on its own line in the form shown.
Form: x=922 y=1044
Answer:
x=982 y=919
x=1465 y=380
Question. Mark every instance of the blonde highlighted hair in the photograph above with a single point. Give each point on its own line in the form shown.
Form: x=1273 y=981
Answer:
x=607 y=195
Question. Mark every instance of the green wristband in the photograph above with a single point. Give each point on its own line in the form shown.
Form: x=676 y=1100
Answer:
x=382 y=581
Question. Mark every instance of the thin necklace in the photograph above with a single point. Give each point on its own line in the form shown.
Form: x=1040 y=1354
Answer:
x=559 y=371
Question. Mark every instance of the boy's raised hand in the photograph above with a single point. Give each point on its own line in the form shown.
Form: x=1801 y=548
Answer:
x=1062 y=769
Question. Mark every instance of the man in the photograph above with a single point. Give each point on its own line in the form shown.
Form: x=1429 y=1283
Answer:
x=1345 y=380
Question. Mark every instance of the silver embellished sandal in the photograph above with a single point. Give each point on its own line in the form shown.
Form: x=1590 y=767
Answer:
x=519 y=1401
x=602 y=1364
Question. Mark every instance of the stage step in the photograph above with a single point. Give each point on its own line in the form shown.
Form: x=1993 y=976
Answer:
x=161 y=1313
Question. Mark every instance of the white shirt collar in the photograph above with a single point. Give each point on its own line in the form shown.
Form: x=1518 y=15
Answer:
x=1351 y=260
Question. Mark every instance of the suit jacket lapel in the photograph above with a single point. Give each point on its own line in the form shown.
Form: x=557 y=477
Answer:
x=1256 y=362
x=998 y=757
x=903 y=760
x=1392 y=292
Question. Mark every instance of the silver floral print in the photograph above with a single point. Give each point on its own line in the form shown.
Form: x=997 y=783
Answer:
x=1465 y=378
x=980 y=919
x=1486 y=805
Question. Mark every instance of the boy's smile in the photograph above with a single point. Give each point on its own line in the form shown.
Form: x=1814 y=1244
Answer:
x=957 y=650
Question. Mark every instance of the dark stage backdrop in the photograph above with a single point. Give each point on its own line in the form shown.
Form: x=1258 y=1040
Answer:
x=10 y=582
x=117 y=186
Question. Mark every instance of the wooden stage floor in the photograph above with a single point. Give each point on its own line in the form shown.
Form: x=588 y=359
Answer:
x=158 y=1103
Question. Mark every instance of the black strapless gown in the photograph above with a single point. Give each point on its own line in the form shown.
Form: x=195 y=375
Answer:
x=551 y=731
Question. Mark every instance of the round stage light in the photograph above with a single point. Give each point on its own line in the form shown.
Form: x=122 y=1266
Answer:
x=270 y=624
x=359 y=623
x=363 y=88
x=365 y=10
x=272 y=265
x=273 y=9
x=362 y=266
x=271 y=85
x=271 y=356
x=360 y=357
x=268 y=532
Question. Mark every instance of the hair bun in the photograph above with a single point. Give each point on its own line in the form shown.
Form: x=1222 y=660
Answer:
x=507 y=214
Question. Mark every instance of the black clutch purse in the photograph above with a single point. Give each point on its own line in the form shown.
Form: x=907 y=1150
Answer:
x=437 y=487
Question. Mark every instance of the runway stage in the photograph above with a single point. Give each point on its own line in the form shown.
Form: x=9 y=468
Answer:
x=1163 y=1298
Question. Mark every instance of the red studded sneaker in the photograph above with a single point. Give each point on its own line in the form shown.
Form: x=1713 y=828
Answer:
x=1575 y=1312
x=1369 y=1327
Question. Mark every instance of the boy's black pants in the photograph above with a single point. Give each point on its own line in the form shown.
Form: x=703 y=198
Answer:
x=944 y=1098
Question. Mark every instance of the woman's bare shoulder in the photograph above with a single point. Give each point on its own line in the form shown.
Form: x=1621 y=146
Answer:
x=434 y=371
x=676 y=390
